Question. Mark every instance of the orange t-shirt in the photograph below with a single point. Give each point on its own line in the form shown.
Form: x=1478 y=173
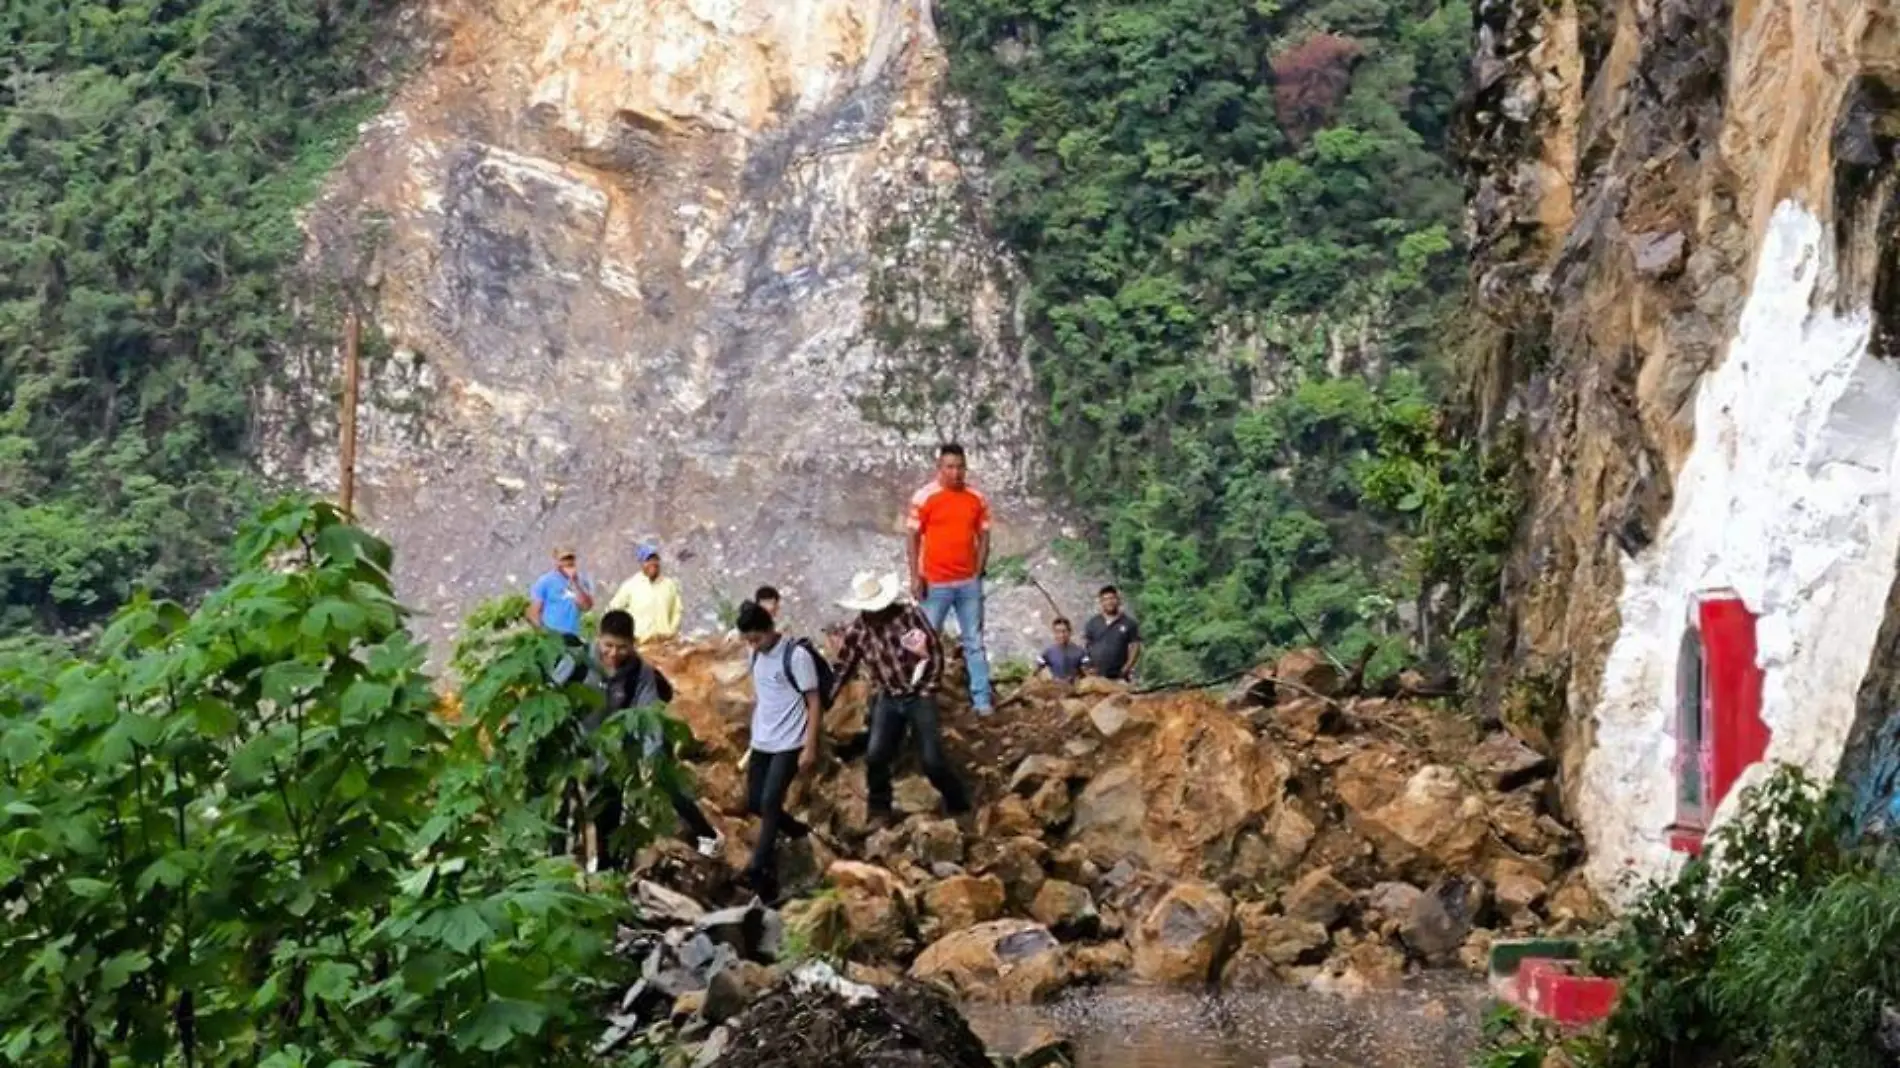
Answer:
x=949 y=521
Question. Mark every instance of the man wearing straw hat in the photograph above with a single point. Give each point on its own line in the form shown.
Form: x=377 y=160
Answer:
x=900 y=648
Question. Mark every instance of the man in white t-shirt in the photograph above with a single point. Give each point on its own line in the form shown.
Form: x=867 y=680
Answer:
x=785 y=722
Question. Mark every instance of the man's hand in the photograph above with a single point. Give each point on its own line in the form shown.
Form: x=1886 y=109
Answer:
x=918 y=587
x=807 y=759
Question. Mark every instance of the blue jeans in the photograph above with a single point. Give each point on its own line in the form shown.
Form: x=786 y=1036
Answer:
x=967 y=598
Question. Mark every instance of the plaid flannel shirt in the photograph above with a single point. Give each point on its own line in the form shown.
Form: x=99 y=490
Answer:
x=880 y=644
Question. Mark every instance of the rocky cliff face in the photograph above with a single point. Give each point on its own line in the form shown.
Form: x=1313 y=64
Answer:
x=1685 y=215
x=711 y=271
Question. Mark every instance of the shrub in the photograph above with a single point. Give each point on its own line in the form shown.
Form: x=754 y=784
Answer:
x=238 y=834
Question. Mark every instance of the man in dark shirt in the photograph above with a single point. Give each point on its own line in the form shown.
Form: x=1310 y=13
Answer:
x=1113 y=638
x=626 y=681
x=1063 y=660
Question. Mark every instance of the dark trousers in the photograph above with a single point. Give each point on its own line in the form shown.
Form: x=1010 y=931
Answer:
x=890 y=718
x=768 y=778
x=613 y=813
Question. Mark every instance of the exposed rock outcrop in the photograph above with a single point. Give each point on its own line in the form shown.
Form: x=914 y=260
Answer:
x=712 y=273
x=1683 y=219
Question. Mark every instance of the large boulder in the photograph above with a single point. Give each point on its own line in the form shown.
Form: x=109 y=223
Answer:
x=1066 y=909
x=1011 y=961
x=1018 y=862
x=818 y=1020
x=1507 y=763
x=963 y=901
x=1439 y=919
x=1186 y=937
x=1177 y=795
x=1435 y=823
x=1518 y=887
x=1270 y=943
x=1317 y=898
x=875 y=909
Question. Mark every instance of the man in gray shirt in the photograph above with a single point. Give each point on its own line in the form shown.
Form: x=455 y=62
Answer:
x=785 y=722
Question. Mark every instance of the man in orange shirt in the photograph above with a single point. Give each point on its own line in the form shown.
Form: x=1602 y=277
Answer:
x=949 y=552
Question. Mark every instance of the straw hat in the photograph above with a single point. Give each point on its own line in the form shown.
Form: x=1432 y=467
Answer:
x=872 y=592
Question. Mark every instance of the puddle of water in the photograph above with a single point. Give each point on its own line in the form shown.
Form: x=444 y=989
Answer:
x=1431 y=1026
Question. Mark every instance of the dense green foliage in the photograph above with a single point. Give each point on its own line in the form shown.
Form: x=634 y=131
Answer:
x=1777 y=950
x=152 y=153
x=1236 y=217
x=241 y=835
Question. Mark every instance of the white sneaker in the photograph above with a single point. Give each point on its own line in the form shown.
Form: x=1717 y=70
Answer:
x=711 y=847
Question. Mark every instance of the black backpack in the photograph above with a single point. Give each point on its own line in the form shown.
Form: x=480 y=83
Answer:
x=827 y=678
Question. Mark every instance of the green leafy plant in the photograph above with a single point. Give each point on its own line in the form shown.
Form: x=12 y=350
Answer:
x=1777 y=948
x=239 y=835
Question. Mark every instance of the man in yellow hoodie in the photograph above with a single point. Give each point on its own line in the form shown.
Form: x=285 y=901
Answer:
x=652 y=600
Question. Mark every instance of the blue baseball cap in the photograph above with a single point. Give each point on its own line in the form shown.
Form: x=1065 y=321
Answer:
x=647 y=552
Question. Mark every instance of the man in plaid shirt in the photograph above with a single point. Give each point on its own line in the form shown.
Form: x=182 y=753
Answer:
x=905 y=659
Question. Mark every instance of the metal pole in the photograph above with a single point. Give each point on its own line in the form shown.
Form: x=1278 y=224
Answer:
x=352 y=331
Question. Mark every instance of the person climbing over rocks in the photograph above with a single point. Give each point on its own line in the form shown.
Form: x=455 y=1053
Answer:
x=1062 y=660
x=625 y=680
x=1113 y=638
x=767 y=597
x=652 y=599
x=558 y=599
x=905 y=658
x=949 y=522
x=788 y=709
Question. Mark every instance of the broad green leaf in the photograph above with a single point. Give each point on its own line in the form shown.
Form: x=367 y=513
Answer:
x=462 y=928
x=287 y=682
x=331 y=981
x=497 y=1023
x=116 y=972
x=88 y=888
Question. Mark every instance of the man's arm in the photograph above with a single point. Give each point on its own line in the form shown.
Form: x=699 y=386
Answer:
x=583 y=596
x=814 y=719
x=622 y=600
x=933 y=660
x=535 y=604
x=914 y=522
x=674 y=609
x=916 y=542
x=1134 y=657
x=805 y=679
x=851 y=655
x=983 y=535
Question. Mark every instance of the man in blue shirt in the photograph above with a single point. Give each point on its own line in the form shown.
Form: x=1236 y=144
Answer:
x=557 y=599
x=1063 y=660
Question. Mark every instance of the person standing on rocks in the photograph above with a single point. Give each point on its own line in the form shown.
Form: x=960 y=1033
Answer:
x=949 y=525
x=652 y=599
x=767 y=597
x=625 y=680
x=559 y=598
x=905 y=658
x=1062 y=661
x=786 y=716
x=1113 y=638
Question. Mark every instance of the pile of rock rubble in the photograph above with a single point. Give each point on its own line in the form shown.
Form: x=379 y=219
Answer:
x=1286 y=832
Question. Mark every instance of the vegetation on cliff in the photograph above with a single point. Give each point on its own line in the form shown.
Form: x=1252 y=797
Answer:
x=1779 y=948
x=1238 y=224
x=241 y=835
x=151 y=158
